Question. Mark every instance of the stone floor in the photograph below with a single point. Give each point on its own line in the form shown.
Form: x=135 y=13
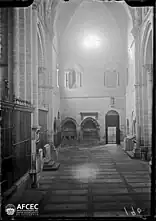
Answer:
x=93 y=182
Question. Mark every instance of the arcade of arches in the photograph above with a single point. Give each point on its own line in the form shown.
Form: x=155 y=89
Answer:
x=35 y=49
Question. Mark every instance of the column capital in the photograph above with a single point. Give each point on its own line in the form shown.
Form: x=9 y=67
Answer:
x=36 y=4
x=135 y=31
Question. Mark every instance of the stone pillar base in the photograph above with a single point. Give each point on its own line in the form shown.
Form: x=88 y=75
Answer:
x=137 y=152
x=144 y=151
x=47 y=149
x=149 y=155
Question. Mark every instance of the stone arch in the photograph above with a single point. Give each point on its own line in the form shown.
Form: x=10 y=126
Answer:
x=90 y=129
x=112 y=112
x=40 y=52
x=92 y=120
x=148 y=55
x=69 y=131
x=40 y=32
x=144 y=42
x=69 y=119
x=129 y=10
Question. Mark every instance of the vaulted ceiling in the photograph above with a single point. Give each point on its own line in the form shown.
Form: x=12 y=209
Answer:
x=62 y=12
x=66 y=11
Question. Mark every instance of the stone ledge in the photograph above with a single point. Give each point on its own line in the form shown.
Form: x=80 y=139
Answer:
x=18 y=187
x=130 y=154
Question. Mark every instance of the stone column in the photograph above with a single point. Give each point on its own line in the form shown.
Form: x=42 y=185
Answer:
x=144 y=113
x=16 y=63
x=4 y=53
x=136 y=34
x=34 y=79
x=150 y=97
x=22 y=53
x=35 y=65
x=28 y=53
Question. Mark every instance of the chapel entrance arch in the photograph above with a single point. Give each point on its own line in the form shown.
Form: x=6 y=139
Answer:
x=112 y=127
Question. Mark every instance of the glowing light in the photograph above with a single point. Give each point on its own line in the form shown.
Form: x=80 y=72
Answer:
x=85 y=173
x=91 y=41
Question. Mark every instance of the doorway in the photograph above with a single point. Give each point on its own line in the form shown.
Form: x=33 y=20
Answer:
x=112 y=135
x=112 y=127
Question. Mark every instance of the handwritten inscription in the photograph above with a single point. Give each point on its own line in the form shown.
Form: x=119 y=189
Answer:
x=133 y=212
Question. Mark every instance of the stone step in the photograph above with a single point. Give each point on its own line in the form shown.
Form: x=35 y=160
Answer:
x=47 y=161
x=73 y=207
x=53 y=167
x=62 y=215
x=130 y=154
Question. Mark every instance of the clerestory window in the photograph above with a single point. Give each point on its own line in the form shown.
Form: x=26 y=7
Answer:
x=72 y=79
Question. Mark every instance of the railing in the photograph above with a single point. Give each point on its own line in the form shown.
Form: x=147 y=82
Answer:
x=16 y=143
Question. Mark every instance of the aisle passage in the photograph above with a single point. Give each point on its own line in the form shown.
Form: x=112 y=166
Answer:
x=93 y=182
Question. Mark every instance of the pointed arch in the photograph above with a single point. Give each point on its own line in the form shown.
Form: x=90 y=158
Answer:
x=69 y=131
x=68 y=119
x=40 y=32
x=146 y=34
x=92 y=120
x=112 y=112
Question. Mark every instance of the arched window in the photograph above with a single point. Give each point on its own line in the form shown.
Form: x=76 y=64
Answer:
x=73 y=79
